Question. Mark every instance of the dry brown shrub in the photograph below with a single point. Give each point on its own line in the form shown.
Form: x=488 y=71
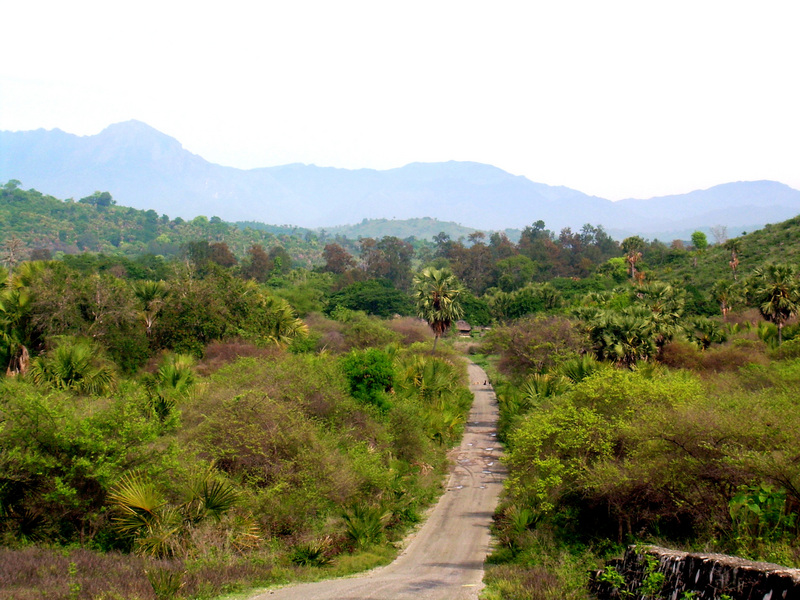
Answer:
x=219 y=354
x=680 y=355
x=749 y=316
x=35 y=573
x=733 y=355
x=517 y=581
x=333 y=341
x=411 y=329
x=329 y=331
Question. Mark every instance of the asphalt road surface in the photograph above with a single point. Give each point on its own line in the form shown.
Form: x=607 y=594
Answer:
x=444 y=559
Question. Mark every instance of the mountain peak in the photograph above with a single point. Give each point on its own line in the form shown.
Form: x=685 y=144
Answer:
x=145 y=168
x=136 y=131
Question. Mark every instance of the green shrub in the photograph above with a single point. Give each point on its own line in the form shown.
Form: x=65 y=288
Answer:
x=370 y=375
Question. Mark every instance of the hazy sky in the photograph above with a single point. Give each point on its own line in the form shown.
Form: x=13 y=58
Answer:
x=617 y=99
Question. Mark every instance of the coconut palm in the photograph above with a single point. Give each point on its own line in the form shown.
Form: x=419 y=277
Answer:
x=705 y=332
x=436 y=294
x=174 y=378
x=777 y=294
x=666 y=304
x=14 y=308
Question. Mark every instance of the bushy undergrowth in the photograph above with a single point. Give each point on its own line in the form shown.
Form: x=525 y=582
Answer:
x=272 y=456
x=698 y=455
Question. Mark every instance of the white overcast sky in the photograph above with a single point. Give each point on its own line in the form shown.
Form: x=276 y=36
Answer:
x=614 y=98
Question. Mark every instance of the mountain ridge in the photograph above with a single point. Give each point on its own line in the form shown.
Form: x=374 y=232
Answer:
x=145 y=168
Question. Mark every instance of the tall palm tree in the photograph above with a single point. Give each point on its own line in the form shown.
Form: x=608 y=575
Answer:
x=735 y=246
x=15 y=306
x=726 y=293
x=436 y=294
x=151 y=295
x=667 y=304
x=777 y=294
x=632 y=247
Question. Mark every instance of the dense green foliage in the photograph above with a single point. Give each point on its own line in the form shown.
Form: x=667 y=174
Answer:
x=196 y=420
x=206 y=394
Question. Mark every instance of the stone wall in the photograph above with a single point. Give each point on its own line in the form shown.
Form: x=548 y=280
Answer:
x=674 y=575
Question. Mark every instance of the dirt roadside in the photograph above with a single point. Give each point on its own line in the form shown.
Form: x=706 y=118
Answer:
x=444 y=559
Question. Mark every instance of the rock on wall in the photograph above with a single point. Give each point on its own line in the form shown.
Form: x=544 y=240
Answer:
x=653 y=572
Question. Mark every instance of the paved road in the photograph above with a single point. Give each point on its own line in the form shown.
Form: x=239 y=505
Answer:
x=444 y=559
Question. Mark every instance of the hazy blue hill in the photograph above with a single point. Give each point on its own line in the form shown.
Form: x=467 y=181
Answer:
x=146 y=169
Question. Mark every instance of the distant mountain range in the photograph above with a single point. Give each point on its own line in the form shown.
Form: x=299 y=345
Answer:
x=146 y=169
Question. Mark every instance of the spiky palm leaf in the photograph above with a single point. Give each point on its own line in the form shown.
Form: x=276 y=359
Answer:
x=431 y=379
x=578 y=369
x=75 y=365
x=137 y=502
x=162 y=537
x=542 y=385
x=283 y=325
x=176 y=372
x=209 y=496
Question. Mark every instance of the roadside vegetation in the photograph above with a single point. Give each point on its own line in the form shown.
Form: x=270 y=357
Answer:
x=196 y=408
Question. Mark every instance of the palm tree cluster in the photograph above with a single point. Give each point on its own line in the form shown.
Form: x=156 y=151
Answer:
x=637 y=332
x=776 y=292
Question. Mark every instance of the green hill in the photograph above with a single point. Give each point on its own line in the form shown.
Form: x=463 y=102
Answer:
x=422 y=229
x=775 y=243
x=45 y=225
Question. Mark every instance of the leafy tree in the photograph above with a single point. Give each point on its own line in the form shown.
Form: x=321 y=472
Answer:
x=514 y=272
x=101 y=199
x=281 y=261
x=699 y=240
x=370 y=375
x=219 y=253
x=700 y=243
x=534 y=344
x=259 y=265
x=389 y=258
x=337 y=259
x=777 y=294
x=375 y=297
x=436 y=293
